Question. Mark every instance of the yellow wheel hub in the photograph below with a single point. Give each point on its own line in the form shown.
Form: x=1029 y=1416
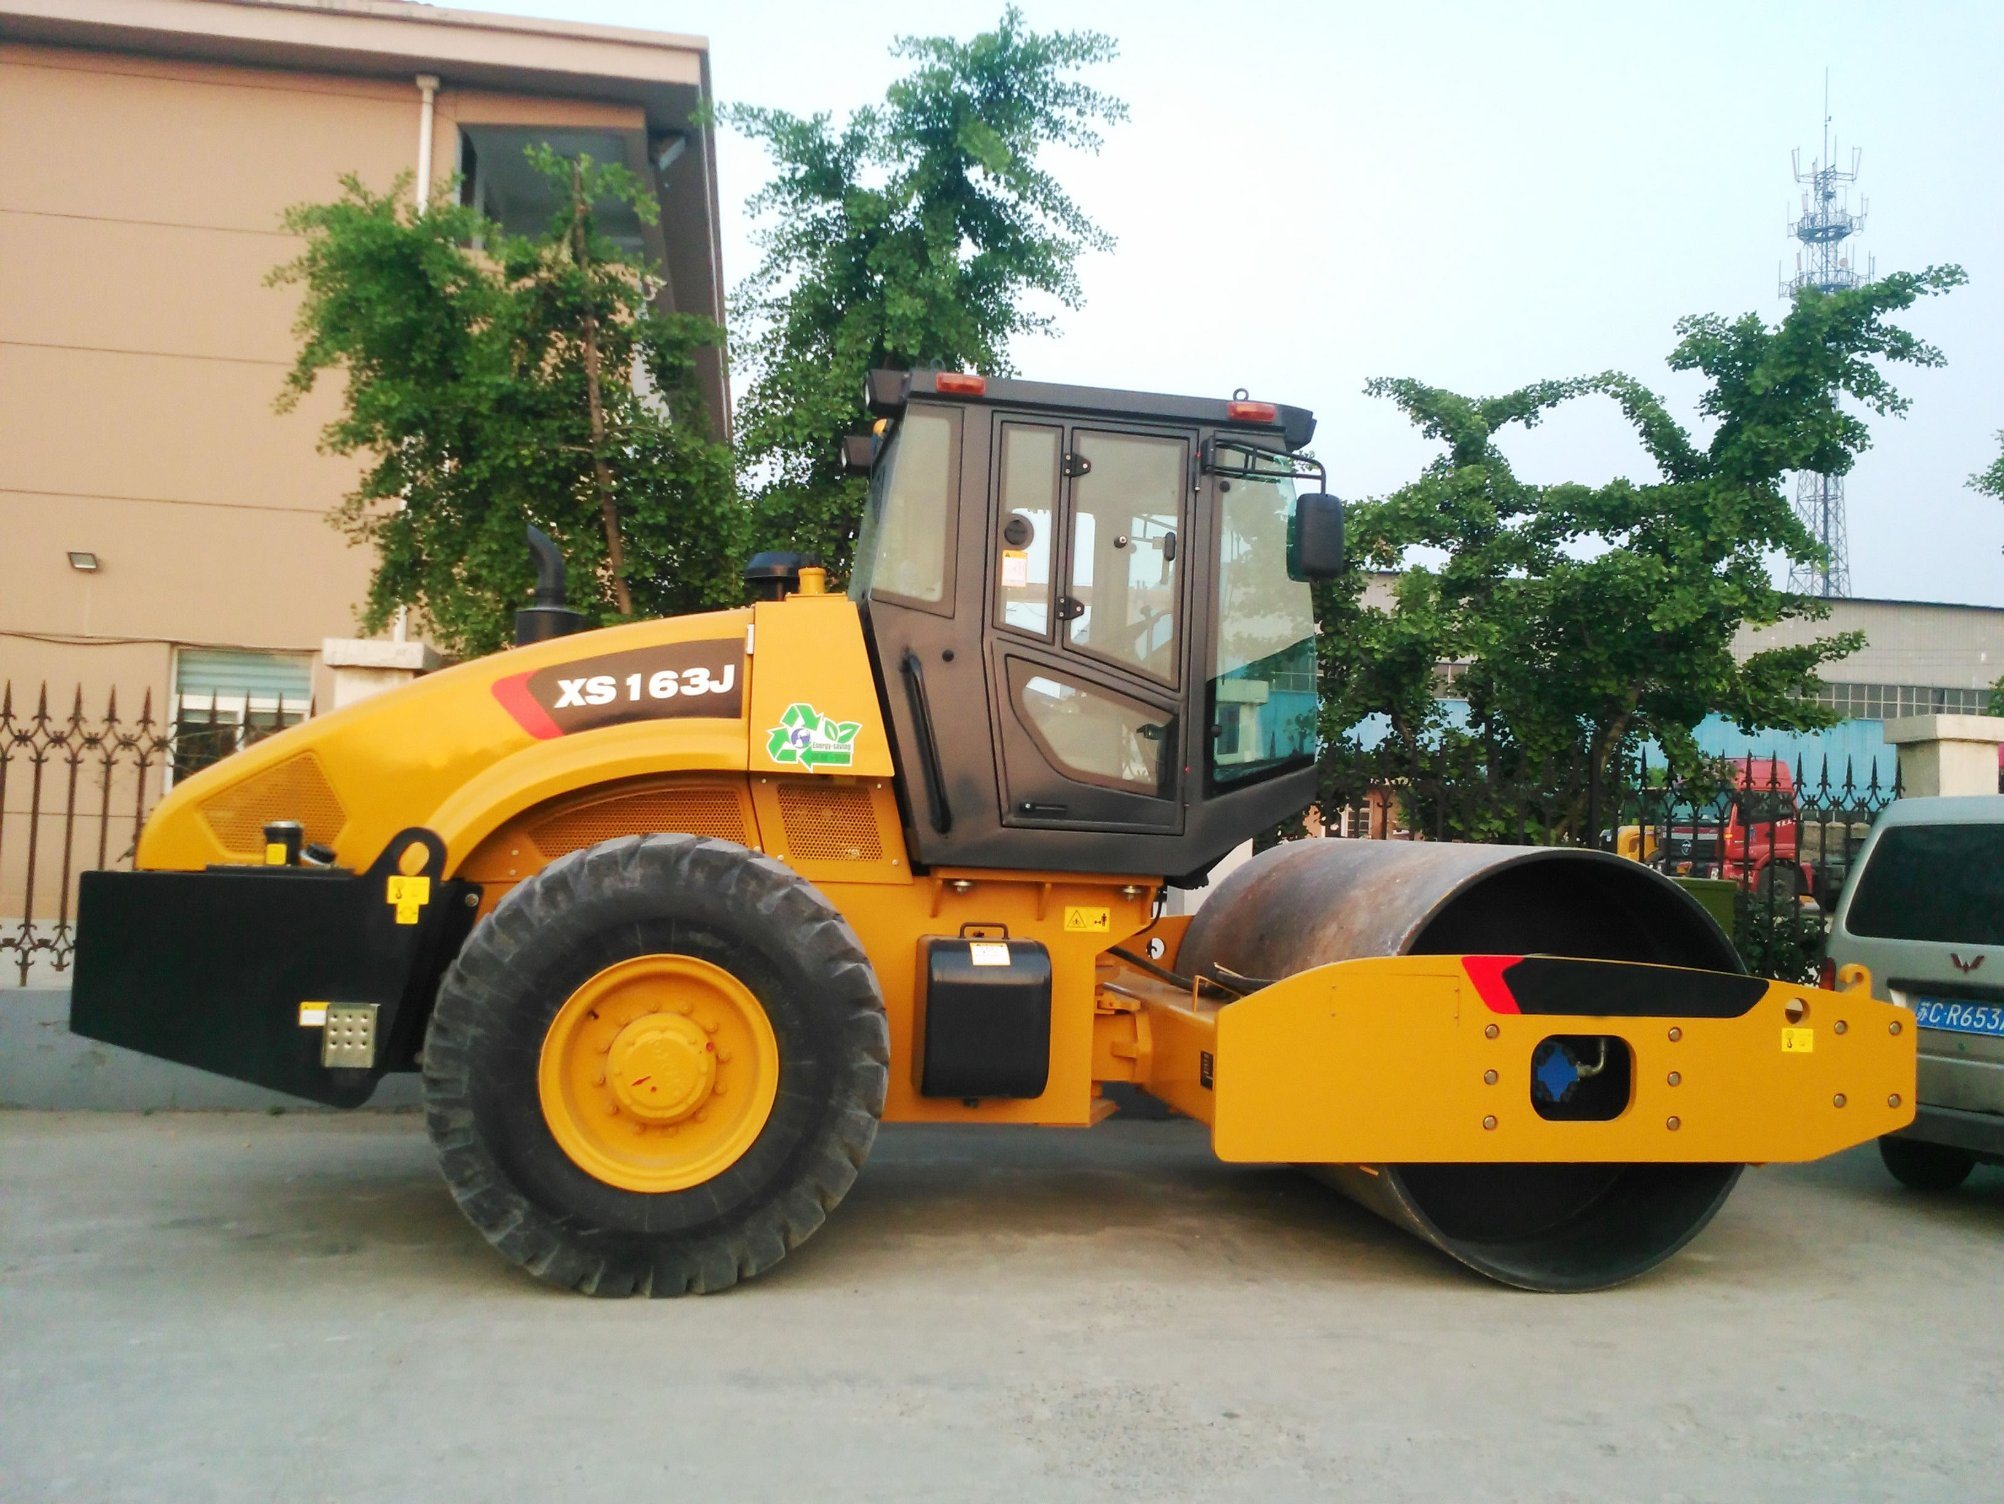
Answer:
x=662 y=1069
x=658 y=1073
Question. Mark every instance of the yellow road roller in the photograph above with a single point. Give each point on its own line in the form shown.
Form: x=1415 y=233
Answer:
x=671 y=915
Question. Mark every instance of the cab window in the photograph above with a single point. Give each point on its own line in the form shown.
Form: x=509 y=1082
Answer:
x=1127 y=518
x=905 y=546
x=1029 y=486
x=1262 y=694
x=1092 y=734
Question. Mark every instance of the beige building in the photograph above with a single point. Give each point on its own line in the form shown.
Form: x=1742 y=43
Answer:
x=162 y=529
x=1919 y=657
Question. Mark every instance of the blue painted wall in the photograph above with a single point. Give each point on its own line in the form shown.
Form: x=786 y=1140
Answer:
x=1859 y=746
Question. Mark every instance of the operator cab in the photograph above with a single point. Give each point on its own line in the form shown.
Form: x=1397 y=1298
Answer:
x=1090 y=614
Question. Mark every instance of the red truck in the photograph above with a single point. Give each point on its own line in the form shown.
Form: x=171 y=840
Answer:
x=1750 y=833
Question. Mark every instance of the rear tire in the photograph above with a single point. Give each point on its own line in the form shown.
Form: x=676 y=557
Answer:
x=513 y=1094
x=1780 y=883
x=1925 y=1167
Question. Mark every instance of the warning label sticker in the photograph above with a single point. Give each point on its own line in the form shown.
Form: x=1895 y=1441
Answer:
x=1081 y=919
x=408 y=895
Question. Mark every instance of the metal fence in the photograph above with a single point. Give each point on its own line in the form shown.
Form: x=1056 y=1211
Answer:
x=1758 y=819
x=1781 y=833
x=75 y=787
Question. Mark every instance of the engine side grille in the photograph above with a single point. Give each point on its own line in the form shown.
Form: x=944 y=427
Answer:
x=829 y=823
x=295 y=789
x=715 y=812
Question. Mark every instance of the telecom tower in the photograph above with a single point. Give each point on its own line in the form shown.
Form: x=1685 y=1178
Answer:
x=1824 y=264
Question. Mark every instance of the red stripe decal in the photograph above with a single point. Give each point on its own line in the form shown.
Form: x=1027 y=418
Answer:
x=513 y=693
x=1486 y=972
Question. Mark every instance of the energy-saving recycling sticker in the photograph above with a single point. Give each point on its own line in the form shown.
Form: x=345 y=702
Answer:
x=806 y=736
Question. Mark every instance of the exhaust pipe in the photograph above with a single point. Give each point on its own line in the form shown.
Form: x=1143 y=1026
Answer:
x=1536 y=1226
x=547 y=616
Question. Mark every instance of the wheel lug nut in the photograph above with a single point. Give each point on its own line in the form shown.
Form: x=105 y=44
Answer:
x=723 y=1057
x=709 y=1025
x=685 y=1009
x=718 y=1090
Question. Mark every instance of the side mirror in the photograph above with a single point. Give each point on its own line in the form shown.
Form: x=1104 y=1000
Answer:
x=1315 y=537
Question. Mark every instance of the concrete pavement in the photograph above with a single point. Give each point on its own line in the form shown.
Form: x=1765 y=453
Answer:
x=247 y=1307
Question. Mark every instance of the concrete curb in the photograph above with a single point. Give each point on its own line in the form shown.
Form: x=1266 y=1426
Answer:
x=44 y=1066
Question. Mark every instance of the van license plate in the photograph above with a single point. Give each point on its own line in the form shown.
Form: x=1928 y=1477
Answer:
x=1959 y=1016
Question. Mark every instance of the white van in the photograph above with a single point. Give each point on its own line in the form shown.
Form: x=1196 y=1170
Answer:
x=1923 y=908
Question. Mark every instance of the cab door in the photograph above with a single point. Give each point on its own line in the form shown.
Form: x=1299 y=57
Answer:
x=1087 y=626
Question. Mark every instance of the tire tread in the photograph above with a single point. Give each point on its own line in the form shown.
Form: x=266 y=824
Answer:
x=643 y=873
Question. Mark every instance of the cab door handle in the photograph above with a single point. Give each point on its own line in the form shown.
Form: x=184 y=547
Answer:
x=935 y=775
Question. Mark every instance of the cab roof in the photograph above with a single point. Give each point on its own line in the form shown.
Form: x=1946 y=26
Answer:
x=889 y=391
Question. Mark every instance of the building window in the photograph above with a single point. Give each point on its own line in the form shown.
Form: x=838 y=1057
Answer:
x=1447 y=677
x=496 y=178
x=224 y=700
x=1885 y=702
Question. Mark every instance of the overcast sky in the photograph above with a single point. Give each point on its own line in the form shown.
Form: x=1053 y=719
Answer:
x=1481 y=195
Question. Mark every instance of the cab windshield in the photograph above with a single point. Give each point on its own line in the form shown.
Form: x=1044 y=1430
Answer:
x=1262 y=694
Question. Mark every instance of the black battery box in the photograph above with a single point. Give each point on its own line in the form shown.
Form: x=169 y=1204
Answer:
x=983 y=1018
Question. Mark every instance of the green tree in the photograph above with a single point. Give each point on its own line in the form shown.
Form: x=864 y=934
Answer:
x=1990 y=482
x=494 y=380
x=1582 y=621
x=912 y=234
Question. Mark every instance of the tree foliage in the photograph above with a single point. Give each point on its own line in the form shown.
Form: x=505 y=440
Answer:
x=494 y=380
x=1991 y=482
x=1584 y=621
x=910 y=234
